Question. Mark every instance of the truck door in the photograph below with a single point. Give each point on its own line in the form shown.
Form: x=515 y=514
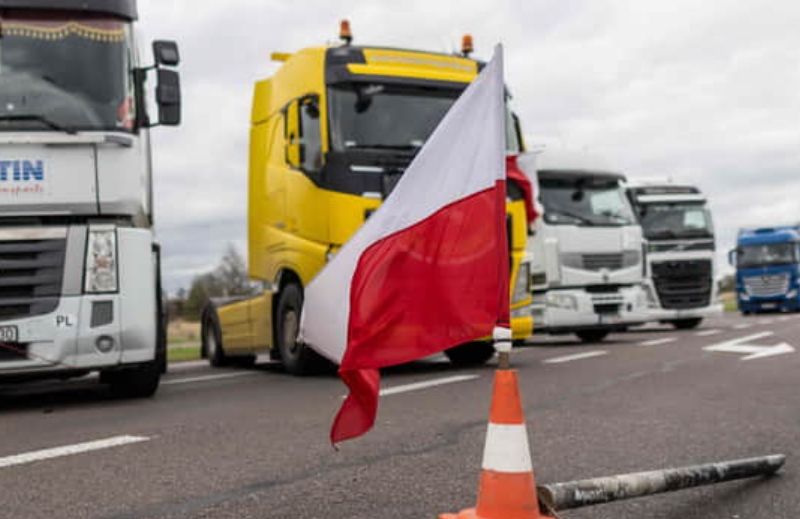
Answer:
x=306 y=203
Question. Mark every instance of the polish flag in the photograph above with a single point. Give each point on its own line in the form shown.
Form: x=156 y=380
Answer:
x=429 y=269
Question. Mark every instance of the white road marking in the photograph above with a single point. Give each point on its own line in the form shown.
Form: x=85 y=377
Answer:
x=766 y=321
x=405 y=388
x=742 y=326
x=656 y=342
x=67 y=450
x=187 y=365
x=205 y=378
x=576 y=356
x=706 y=333
x=753 y=351
x=783 y=318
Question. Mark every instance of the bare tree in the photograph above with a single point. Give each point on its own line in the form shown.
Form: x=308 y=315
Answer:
x=229 y=278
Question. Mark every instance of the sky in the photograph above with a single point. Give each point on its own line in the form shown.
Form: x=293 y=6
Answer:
x=706 y=93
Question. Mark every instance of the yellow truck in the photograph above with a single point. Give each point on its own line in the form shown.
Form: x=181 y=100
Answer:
x=331 y=133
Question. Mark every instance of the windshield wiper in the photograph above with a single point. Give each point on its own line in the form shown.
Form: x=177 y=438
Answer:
x=398 y=147
x=697 y=233
x=38 y=118
x=622 y=220
x=579 y=218
x=662 y=233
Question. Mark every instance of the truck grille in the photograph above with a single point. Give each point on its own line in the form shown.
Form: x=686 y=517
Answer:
x=30 y=276
x=600 y=261
x=606 y=309
x=767 y=286
x=683 y=284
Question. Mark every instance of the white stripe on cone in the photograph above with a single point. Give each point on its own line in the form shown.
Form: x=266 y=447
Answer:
x=506 y=449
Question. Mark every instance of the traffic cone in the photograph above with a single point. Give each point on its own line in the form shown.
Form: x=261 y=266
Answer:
x=507 y=489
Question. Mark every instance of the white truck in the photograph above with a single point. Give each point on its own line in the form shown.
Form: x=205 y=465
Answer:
x=587 y=248
x=680 y=252
x=79 y=264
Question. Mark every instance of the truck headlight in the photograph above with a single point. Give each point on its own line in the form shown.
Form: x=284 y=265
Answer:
x=101 y=261
x=564 y=301
x=522 y=289
x=791 y=294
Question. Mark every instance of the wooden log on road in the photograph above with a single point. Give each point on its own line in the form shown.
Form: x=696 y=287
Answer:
x=575 y=494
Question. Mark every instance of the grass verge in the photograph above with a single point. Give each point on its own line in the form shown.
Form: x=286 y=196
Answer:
x=183 y=353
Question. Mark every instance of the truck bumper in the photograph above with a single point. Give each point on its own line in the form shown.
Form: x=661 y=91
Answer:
x=663 y=314
x=64 y=340
x=522 y=327
x=756 y=305
x=571 y=310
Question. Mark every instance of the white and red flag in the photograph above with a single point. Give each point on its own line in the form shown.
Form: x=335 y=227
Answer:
x=429 y=269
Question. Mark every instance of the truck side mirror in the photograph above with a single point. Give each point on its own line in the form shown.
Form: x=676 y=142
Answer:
x=293 y=147
x=732 y=257
x=166 y=53
x=168 y=97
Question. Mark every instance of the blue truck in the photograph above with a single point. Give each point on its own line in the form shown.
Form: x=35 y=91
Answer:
x=767 y=261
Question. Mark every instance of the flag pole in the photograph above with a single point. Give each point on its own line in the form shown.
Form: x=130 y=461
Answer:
x=502 y=345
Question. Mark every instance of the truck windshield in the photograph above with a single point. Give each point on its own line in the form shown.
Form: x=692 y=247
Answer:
x=584 y=201
x=671 y=221
x=64 y=71
x=765 y=255
x=395 y=117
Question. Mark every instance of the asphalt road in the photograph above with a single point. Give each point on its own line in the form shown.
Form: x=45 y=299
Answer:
x=253 y=443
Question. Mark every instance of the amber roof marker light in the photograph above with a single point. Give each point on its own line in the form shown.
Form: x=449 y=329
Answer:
x=344 y=32
x=466 y=45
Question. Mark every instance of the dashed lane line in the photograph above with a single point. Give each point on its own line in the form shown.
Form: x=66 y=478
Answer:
x=656 y=342
x=68 y=450
x=576 y=356
x=405 y=388
x=706 y=333
x=187 y=365
x=742 y=326
x=205 y=378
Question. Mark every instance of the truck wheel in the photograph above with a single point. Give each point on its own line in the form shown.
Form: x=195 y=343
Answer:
x=592 y=335
x=297 y=359
x=212 y=341
x=687 y=324
x=471 y=354
x=139 y=382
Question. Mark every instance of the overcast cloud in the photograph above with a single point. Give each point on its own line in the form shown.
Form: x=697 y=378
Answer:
x=702 y=92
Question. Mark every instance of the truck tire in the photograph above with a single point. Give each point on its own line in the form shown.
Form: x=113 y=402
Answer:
x=142 y=381
x=139 y=382
x=296 y=358
x=687 y=324
x=471 y=354
x=212 y=341
x=590 y=336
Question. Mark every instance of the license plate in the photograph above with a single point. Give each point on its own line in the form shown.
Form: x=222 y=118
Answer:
x=9 y=334
x=609 y=318
x=769 y=306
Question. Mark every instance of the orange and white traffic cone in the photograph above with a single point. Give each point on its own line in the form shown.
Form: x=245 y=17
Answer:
x=507 y=489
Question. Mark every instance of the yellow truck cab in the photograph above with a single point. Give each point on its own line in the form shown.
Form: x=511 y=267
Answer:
x=331 y=133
